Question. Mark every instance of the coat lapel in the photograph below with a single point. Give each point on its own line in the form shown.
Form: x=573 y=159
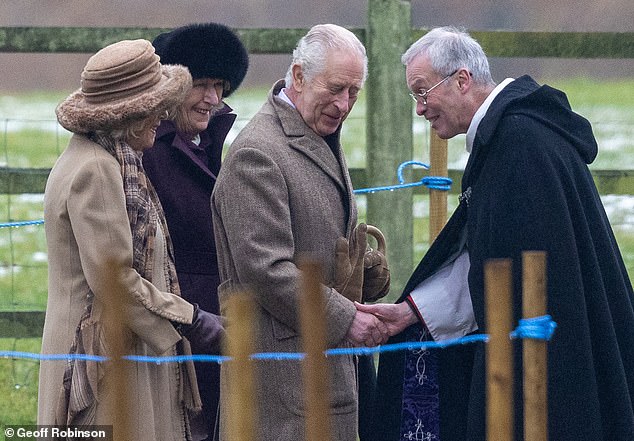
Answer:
x=196 y=161
x=303 y=139
x=216 y=132
x=318 y=152
x=333 y=166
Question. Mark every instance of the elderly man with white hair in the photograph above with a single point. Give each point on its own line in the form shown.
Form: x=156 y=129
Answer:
x=283 y=192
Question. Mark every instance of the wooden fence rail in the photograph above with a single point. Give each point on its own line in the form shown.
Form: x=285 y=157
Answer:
x=33 y=180
x=507 y=44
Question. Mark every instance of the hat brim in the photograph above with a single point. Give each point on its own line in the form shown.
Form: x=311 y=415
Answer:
x=78 y=116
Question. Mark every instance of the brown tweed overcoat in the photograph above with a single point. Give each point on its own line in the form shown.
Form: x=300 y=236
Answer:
x=282 y=193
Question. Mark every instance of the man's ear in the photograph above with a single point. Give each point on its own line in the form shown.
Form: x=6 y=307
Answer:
x=464 y=80
x=298 y=77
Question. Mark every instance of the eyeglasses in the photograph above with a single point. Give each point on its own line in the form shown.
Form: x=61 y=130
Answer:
x=422 y=94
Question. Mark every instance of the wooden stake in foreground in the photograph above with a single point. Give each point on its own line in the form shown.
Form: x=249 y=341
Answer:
x=118 y=370
x=240 y=370
x=499 y=350
x=534 y=351
x=315 y=366
x=437 y=198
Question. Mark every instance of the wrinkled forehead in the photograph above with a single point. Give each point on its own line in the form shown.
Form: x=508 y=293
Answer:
x=419 y=73
x=344 y=68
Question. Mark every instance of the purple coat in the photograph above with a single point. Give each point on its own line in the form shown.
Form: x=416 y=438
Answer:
x=184 y=175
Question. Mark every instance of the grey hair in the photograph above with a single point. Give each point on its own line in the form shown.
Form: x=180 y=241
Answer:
x=312 y=49
x=448 y=49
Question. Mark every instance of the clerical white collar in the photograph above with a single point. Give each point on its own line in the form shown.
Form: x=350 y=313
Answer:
x=282 y=95
x=482 y=110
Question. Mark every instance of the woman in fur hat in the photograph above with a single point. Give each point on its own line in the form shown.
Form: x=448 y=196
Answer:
x=184 y=163
x=108 y=245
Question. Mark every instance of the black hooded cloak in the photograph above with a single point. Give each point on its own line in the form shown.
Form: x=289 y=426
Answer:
x=527 y=186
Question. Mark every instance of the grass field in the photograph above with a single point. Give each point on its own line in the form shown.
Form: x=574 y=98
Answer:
x=30 y=137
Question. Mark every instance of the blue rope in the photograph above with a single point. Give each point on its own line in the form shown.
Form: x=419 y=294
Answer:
x=536 y=328
x=21 y=223
x=410 y=346
x=433 y=182
x=41 y=357
x=541 y=328
x=177 y=358
x=258 y=356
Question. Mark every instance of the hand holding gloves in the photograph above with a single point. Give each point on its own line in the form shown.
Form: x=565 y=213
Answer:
x=376 y=274
x=361 y=273
x=349 y=264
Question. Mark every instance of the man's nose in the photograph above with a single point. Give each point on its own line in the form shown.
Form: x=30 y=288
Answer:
x=343 y=103
x=421 y=108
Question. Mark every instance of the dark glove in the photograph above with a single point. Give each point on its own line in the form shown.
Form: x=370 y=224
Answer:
x=349 y=264
x=206 y=332
x=376 y=273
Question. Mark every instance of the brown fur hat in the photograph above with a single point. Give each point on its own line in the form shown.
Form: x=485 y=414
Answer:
x=120 y=84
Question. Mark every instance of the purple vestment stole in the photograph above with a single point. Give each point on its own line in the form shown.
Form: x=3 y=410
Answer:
x=420 y=418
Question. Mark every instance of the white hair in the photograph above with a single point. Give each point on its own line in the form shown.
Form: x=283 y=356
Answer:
x=449 y=49
x=312 y=50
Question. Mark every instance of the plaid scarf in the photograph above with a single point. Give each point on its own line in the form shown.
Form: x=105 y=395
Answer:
x=144 y=209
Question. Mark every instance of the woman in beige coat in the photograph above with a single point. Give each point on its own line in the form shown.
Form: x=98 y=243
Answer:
x=106 y=234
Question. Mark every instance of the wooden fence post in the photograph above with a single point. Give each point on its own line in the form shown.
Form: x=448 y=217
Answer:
x=534 y=351
x=117 y=371
x=389 y=132
x=437 y=198
x=242 y=409
x=499 y=352
x=315 y=365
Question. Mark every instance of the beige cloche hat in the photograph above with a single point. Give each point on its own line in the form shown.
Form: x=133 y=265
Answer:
x=122 y=83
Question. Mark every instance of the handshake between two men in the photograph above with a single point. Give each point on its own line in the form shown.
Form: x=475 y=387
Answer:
x=362 y=275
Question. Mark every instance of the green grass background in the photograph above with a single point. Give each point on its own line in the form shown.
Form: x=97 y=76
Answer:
x=30 y=137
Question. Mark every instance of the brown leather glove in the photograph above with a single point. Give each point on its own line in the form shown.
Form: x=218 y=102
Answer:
x=349 y=257
x=376 y=274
